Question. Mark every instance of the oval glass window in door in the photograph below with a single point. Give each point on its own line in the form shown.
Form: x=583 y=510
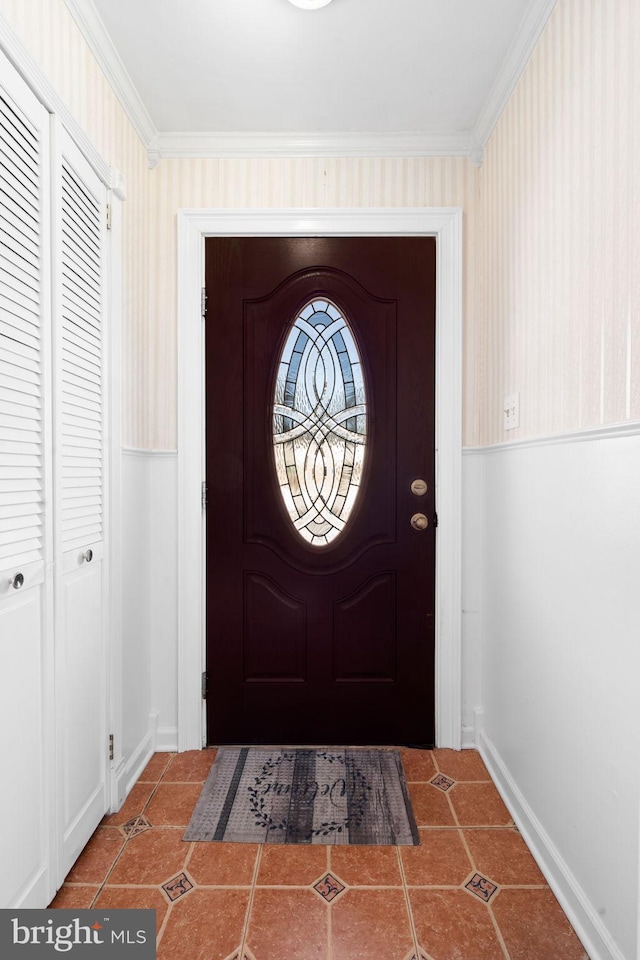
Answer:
x=319 y=422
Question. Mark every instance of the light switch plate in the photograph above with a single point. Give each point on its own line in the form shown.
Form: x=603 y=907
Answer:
x=511 y=408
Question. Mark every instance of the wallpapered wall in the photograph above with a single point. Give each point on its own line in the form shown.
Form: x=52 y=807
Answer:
x=552 y=225
x=560 y=209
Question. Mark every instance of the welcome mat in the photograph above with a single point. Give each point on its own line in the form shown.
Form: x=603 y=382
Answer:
x=258 y=795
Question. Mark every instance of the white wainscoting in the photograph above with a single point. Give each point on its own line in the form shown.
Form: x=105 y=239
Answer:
x=149 y=610
x=472 y=565
x=163 y=506
x=559 y=678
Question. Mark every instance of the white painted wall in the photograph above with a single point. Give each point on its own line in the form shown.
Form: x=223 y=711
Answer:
x=561 y=609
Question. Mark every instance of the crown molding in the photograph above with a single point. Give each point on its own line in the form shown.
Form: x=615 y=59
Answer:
x=188 y=144
x=532 y=25
x=180 y=145
x=101 y=45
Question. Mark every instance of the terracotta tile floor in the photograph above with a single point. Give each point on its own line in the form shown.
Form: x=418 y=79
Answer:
x=471 y=891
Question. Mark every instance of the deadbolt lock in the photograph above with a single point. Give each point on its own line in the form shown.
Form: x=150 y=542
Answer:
x=419 y=487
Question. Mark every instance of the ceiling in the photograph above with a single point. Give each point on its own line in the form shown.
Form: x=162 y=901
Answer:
x=220 y=67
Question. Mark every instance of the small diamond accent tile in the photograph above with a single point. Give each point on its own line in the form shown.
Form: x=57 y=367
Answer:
x=329 y=887
x=442 y=783
x=177 y=887
x=135 y=826
x=481 y=887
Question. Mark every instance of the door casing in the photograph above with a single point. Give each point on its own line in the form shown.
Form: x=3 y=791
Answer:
x=445 y=224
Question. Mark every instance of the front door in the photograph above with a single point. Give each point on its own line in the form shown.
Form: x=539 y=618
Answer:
x=320 y=471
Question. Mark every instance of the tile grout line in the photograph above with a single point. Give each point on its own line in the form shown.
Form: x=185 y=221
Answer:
x=407 y=899
x=165 y=922
x=453 y=810
x=127 y=838
x=155 y=789
x=474 y=867
x=245 y=928
x=472 y=861
x=329 y=911
x=163 y=925
x=439 y=773
x=441 y=886
x=498 y=931
x=110 y=870
x=306 y=886
x=192 y=847
x=465 y=826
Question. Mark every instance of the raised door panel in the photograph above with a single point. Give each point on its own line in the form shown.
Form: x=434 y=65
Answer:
x=275 y=630
x=365 y=634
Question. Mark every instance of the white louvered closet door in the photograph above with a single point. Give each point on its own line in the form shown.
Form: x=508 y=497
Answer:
x=25 y=548
x=81 y=668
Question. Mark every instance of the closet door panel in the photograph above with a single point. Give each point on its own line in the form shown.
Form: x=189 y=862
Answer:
x=23 y=826
x=80 y=717
x=81 y=667
x=25 y=547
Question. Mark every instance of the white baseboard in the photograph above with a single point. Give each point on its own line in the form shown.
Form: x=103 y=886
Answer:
x=167 y=740
x=129 y=772
x=584 y=919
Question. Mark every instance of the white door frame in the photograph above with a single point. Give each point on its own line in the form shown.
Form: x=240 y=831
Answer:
x=445 y=224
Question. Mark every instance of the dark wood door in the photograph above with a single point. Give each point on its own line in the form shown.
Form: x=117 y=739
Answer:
x=317 y=637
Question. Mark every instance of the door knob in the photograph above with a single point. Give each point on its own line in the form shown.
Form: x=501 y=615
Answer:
x=17 y=581
x=88 y=555
x=419 y=521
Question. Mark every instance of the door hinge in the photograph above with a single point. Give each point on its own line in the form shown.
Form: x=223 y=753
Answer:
x=205 y=495
x=111 y=747
x=205 y=685
x=435 y=519
x=108 y=216
x=203 y=302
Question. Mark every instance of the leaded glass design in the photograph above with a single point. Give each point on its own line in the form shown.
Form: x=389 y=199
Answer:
x=319 y=422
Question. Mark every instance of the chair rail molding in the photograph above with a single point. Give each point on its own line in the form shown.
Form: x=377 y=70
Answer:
x=445 y=224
